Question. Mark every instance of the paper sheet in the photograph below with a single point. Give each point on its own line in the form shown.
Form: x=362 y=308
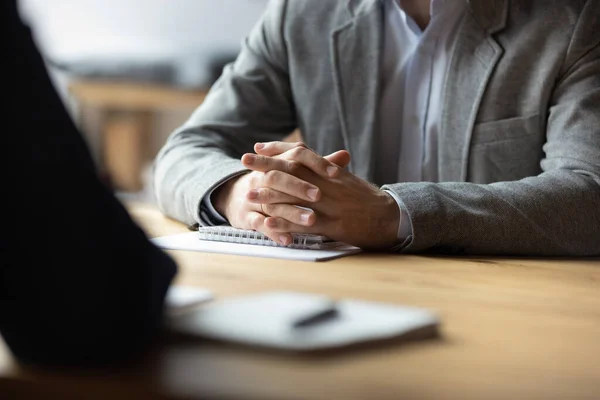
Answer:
x=181 y=298
x=266 y=320
x=191 y=242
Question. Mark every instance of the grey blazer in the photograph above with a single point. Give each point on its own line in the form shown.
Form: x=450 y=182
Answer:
x=519 y=151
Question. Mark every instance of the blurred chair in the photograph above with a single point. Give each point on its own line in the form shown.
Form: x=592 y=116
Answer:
x=130 y=61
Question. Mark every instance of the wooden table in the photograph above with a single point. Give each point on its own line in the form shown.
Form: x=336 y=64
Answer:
x=512 y=329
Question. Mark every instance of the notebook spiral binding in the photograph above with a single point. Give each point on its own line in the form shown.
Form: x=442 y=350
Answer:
x=234 y=235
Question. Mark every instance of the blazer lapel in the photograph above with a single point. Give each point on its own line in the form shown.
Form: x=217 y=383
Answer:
x=356 y=50
x=474 y=58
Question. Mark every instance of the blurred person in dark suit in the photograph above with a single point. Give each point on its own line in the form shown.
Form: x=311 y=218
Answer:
x=80 y=283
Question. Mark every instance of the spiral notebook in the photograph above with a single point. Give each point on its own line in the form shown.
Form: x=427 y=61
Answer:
x=233 y=235
x=227 y=240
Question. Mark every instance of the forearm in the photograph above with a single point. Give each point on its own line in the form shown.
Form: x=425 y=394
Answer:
x=206 y=151
x=554 y=214
x=202 y=155
x=185 y=174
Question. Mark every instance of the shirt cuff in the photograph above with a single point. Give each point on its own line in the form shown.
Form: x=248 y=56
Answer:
x=405 y=226
x=211 y=215
x=208 y=213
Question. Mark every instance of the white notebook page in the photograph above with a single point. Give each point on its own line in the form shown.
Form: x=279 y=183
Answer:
x=190 y=242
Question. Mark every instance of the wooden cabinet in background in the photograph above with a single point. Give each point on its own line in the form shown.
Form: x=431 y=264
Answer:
x=127 y=113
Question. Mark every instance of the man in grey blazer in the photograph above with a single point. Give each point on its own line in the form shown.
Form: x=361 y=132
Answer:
x=479 y=122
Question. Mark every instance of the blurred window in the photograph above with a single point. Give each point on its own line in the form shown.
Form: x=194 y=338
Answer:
x=185 y=38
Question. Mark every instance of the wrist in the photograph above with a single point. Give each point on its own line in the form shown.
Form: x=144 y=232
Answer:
x=221 y=197
x=390 y=221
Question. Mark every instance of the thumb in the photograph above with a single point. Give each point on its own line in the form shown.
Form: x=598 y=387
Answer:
x=340 y=158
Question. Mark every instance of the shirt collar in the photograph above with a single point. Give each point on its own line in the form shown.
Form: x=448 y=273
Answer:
x=437 y=7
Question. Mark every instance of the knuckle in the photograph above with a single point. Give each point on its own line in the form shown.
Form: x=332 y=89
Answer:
x=255 y=222
x=254 y=178
x=297 y=152
x=266 y=195
x=268 y=209
x=322 y=163
x=266 y=230
x=282 y=224
x=293 y=167
x=287 y=213
x=271 y=177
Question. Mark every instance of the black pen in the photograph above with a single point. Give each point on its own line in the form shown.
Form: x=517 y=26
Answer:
x=317 y=318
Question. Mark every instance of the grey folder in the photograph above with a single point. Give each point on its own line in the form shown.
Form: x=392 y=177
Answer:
x=269 y=320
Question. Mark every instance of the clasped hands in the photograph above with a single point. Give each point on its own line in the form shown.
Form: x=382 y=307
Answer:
x=291 y=189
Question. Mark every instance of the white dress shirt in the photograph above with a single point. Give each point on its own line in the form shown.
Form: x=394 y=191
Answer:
x=413 y=73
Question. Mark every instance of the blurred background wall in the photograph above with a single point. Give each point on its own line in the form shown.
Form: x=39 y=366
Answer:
x=131 y=71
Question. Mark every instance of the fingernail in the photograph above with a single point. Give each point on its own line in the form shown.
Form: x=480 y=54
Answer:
x=331 y=171
x=312 y=193
x=304 y=217
x=283 y=240
x=253 y=194
x=259 y=146
x=250 y=158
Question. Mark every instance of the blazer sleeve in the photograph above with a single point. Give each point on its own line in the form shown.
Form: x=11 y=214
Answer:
x=80 y=283
x=554 y=214
x=251 y=102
